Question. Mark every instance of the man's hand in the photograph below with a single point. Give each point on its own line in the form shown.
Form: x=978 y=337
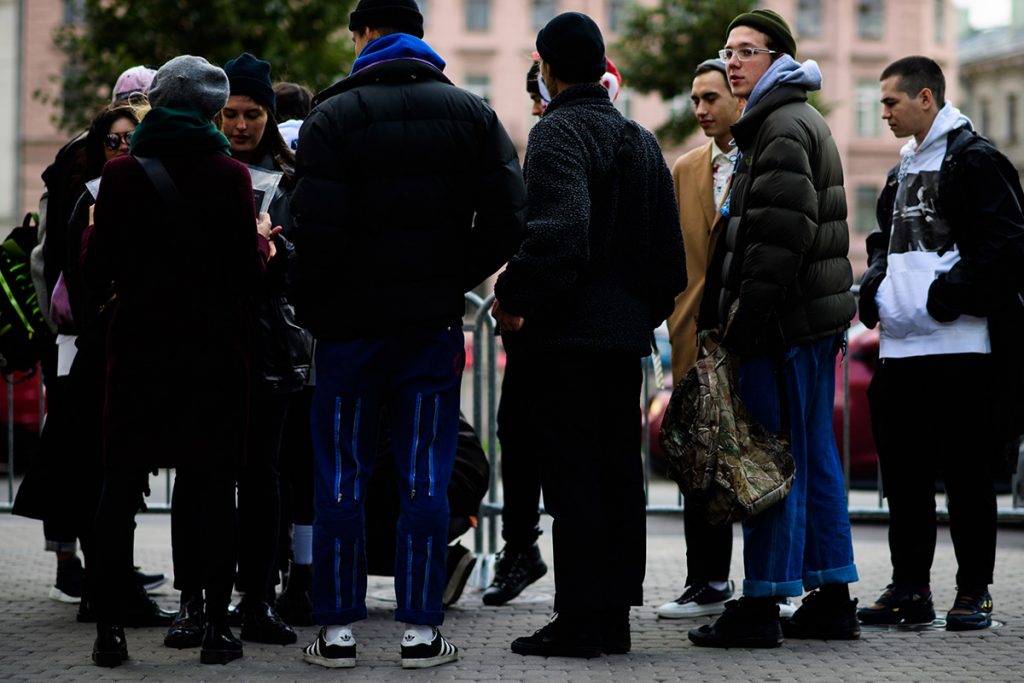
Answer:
x=506 y=321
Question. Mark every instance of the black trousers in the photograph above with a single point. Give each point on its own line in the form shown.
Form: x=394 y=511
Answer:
x=259 y=497
x=708 y=546
x=591 y=470
x=520 y=464
x=296 y=471
x=109 y=556
x=204 y=536
x=932 y=417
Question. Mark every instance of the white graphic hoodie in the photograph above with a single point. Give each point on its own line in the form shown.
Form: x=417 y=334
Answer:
x=918 y=234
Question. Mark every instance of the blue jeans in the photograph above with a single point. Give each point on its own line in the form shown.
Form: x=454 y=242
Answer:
x=803 y=542
x=416 y=377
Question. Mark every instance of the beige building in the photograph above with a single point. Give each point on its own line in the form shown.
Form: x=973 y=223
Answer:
x=992 y=82
x=8 y=114
x=488 y=46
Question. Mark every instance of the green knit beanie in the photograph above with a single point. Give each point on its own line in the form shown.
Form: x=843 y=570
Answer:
x=772 y=25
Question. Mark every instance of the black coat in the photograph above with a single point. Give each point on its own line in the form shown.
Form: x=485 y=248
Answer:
x=783 y=255
x=603 y=257
x=409 y=193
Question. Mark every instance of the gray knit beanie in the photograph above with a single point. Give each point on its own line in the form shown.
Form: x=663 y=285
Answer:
x=188 y=82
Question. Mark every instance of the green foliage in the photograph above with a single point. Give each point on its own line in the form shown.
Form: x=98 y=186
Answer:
x=663 y=44
x=305 y=41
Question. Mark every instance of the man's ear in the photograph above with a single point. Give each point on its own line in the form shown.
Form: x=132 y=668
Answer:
x=926 y=98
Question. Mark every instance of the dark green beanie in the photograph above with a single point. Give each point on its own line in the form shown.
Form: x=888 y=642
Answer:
x=772 y=25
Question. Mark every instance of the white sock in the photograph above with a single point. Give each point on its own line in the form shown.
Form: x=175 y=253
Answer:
x=342 y=632
x=302 y=544
x=418 y=634
x=719 y=585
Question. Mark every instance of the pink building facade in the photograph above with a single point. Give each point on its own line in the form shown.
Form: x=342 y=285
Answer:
x=488 y=46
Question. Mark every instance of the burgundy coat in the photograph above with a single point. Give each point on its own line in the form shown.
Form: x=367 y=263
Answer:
x=178 y=341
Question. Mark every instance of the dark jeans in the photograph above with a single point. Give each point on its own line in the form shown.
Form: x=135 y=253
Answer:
x=520 y=466
x=932 y=416
x=204 y=535
x=259 y=497
x=110 y=557
x=708 y=546
x=591 y=470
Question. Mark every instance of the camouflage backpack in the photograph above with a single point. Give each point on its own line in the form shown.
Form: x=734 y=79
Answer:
x=716 y=452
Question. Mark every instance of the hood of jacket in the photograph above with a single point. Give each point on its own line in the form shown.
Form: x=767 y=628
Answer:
x=914 y=157
x=786 y=70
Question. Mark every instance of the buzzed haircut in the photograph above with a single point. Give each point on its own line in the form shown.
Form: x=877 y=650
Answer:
x=917 y=73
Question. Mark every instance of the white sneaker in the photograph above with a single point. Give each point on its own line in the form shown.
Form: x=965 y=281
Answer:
x=698 y=600
x=420 y=654
x=339 y=653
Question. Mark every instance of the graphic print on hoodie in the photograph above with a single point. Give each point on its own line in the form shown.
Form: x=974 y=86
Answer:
x=918 y=234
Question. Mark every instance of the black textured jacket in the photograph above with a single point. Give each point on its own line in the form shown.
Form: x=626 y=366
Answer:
x=408 y=194
x=783 y=255
x=603 y=257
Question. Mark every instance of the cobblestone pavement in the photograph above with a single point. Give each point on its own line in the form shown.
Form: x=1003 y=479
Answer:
x=42 y=642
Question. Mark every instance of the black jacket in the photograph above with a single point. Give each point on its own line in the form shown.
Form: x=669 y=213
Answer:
x=409 y=193
x=603 y=257
x=783 y=255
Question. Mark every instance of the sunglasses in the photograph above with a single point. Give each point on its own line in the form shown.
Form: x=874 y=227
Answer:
x=114 y=140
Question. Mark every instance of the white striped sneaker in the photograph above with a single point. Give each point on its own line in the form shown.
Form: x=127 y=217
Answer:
x=336 y=654
x=417 y=654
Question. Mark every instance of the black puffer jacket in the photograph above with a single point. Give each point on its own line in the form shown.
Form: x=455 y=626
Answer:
x=409 y=193
x=603 y=257
x=784 y=252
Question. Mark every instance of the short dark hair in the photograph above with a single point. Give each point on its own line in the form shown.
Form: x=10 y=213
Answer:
x=917 y=73
x=293 y=101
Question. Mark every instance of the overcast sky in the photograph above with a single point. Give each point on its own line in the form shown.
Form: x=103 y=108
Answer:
x=986 y=13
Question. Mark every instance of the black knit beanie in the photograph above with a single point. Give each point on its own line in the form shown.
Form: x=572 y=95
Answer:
x=402 y=15
x=251 y=77
x=572 y=44
x=772 y=25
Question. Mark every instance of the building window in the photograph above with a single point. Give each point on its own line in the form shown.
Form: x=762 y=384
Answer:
x=868 y=110
x=864 y=219
x=870 y=19
x=616 y=11
x=74 y=11
x=478 y=15
x=542 y=11
x=808 y=18
x=985 y=116
x=1011 y=118
x=940 y=21
x=479 y=85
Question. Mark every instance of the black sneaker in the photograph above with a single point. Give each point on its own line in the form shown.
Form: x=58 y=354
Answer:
x=149 y=582
x=420 y=655
x=698 y=600
x=971 y=611
x=336 y=654
x=460 y=564
x=562 y=636
x=515 y=571
x=900 y=605
x=70 y=578
x=261 y=624
x=747 y=622
x=822 y=618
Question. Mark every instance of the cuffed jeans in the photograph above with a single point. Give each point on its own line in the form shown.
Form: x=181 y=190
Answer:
x=417 y=376
x=804 y=542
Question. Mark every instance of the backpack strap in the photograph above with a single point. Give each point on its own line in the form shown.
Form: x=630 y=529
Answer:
x=161 y=180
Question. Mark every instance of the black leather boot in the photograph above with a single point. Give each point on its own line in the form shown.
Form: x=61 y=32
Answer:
x=295 y=604
x=219 y=645
x=110 y=648
x=261 y=624
x=190 y=624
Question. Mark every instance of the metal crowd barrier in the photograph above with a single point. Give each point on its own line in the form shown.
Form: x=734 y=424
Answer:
x=484 y=386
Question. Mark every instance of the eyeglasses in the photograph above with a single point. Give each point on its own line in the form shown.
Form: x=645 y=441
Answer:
x=744 y=54
x=115 y=140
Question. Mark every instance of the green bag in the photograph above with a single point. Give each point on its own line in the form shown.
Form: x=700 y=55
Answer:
x=24 y=334
x=716 y=452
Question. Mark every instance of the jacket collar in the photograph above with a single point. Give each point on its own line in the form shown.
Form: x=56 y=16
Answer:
x=745 y=130
x=586 y=93
x=398 y=71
